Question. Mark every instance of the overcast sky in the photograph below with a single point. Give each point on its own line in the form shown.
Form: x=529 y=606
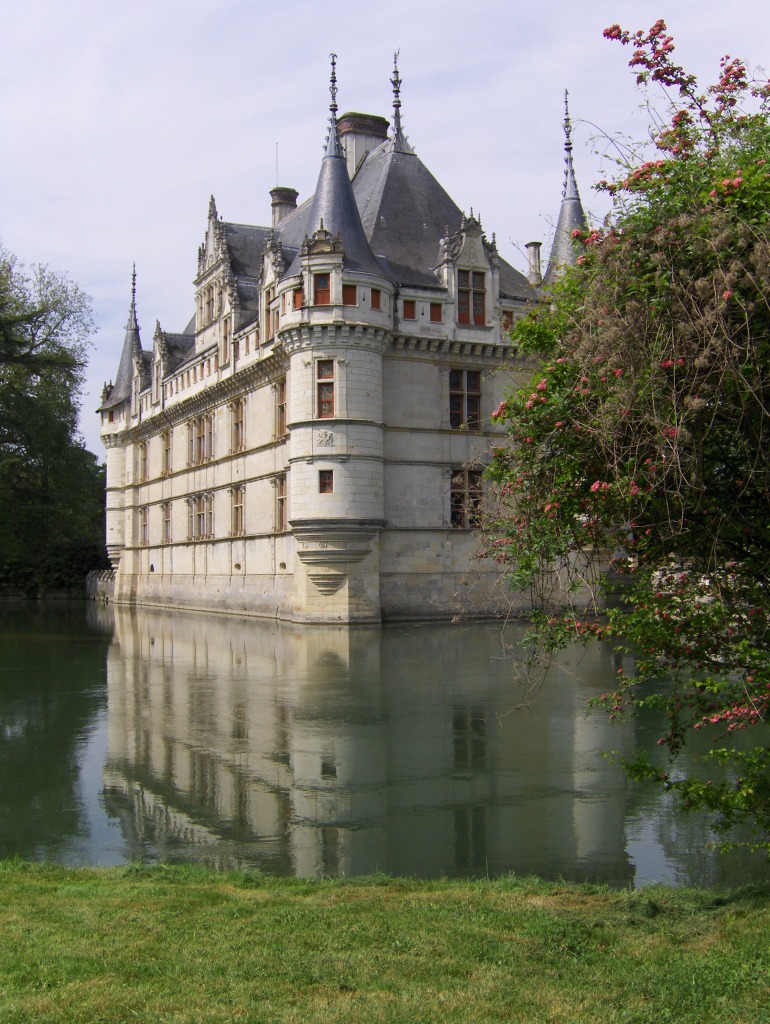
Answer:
x=117 y=121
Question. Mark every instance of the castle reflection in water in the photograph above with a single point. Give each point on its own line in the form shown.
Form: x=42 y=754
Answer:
x=331 y=751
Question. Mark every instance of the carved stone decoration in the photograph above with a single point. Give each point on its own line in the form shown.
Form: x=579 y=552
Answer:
x=329 y=548
x=325 y=439
x=327 y=580
x=322 y=241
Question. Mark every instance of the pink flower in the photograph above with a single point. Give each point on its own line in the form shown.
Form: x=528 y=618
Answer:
x=543 y=384
x=596 y=486
x=727 y=294
x=618 y=372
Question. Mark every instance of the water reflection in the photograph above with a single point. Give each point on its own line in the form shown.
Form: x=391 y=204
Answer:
x=52 y=690
x=322 y=751
x=330 y=751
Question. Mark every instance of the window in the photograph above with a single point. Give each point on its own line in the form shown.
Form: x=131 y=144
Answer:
x=298 y=298
x=349 y=295
x=209 y=305
x=465 y=399
x=321 y=290
x=236 y=510
x=199 y=440
x=166 y=441
x=281 y=521
x=435 y=312
x=200 y=523
x=465 y=498
x=144 y=526
x=226 y=341
x=376 y=298
x=141 y=467
x=326 y=481
x=471 y=298
x=325 y=388
x=410 y=309
x=237 y=439
x=280 y=408
x=166 y=508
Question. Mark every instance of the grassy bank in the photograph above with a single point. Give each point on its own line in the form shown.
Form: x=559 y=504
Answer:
x=183 y=945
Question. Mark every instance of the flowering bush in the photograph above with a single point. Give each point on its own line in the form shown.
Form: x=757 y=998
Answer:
x=636 y=480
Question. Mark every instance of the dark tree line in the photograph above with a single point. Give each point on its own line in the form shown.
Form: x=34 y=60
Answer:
x=51 y=487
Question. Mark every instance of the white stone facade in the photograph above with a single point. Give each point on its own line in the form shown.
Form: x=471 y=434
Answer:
x=310 y=448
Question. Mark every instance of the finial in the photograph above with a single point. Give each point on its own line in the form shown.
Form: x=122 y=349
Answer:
x=333 y=146
x=567 y=123
x=133 y=285
x=396 y=83
x=212 y=208
x=333 y=85
x=570 y=190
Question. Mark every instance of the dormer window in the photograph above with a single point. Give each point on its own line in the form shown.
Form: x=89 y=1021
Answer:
x=471 y=297
x=321 y=290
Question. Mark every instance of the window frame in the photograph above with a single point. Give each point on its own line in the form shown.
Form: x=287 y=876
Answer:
x=325 y=389
x=237 y=510
x=465 y=397
x=465 y=496
x=281 y=506
x=326 y=481
x=322 y=292
x=238 y=425
x=471 y=298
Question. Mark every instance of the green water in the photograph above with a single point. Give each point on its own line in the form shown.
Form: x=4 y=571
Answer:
x=415 y=750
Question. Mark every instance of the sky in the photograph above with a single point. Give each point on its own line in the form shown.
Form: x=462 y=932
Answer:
x=118 y=121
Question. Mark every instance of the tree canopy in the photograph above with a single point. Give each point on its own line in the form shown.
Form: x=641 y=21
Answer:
x=51 y=487
x=636 y=480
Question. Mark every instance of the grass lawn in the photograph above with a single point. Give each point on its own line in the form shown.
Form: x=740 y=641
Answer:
x=174 y=945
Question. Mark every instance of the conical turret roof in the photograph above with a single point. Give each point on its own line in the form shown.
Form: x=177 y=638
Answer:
x=571 y=214
x=334 y=206
x=132 y=343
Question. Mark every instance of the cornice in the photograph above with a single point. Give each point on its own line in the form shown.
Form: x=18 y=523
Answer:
x=262 y=372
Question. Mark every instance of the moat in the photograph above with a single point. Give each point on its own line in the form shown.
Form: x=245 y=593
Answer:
x=410 y=749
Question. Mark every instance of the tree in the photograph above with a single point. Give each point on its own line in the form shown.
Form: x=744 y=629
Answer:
x=636 y=482
x=51 y=488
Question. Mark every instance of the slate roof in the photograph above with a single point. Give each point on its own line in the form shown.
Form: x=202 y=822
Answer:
x=121 y=389
x=334 y=208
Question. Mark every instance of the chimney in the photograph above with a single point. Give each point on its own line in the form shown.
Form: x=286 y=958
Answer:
x=534 y=276
x=284 y=201
x=359 y=135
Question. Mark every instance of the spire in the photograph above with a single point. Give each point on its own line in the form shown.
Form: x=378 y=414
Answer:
x=571 y=214
x=131 y=344
x=400 y=144
x=333 y=144
x=333 y=209
x=570 y=190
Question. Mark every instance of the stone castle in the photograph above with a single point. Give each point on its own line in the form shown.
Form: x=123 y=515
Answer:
x=311 y=446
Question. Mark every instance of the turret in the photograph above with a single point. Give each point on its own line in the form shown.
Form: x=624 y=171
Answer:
x=335 y=341
x=116 y=416
x=571 y=214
